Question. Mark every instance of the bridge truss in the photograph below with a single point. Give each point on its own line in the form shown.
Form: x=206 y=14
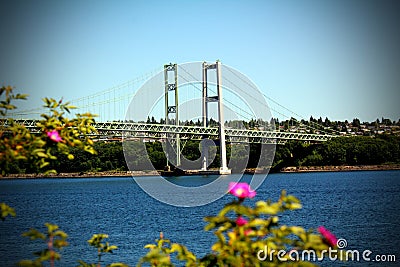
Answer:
x=161 y=131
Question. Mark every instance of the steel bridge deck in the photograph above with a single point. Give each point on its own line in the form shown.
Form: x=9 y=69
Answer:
x=157 y=131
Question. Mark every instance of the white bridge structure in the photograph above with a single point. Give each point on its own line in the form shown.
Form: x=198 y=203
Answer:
x=174 y=132
x=159 y=131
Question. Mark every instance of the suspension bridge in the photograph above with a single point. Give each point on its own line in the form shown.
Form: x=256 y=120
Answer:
x=124 y=109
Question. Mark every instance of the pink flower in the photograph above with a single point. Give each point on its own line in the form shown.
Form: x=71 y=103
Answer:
x=329 y=237
x=240 y=221
x=241 y=190
x=54 y=136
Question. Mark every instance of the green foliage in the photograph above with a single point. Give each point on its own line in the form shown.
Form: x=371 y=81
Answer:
x=102 y=247
x=357 y=150
x=5 y=105
x=159 y=254
x=6 y=211
x=110 y=156
x=57 y=135
x=55 y=240
x=361 y=150
x=240 y=240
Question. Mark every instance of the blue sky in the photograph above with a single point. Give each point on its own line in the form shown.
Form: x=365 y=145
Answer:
x=339 y=59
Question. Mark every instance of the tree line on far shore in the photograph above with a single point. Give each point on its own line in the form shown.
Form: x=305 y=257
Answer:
x=357 y=150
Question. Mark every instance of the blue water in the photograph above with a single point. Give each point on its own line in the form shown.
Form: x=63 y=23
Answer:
x=362 y=207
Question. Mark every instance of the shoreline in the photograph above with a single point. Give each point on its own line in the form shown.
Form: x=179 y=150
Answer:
x=291 y=169
x=342 y=168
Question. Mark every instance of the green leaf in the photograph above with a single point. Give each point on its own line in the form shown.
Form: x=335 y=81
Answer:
x=60 y=243
x=6 y=211
x=34 y=234
x=61 y=234
x=47 y=101
x=21 y=96
x=41 y=154
x=264 y=208
x=96 y=239
x=293 y=199
x=109 y=249
x=294 y=206
x=29 y=263
x=71 y=107
x=118 y=264
x=44 y=164
x=50 y=172
x=257 y=222
x=150 y=246
x=51 y=227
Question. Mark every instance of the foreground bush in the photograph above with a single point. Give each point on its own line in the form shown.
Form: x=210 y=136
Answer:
x=57 y=134
x=248 y=236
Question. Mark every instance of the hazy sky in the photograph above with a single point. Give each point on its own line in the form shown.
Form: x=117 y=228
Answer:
x=339 y=59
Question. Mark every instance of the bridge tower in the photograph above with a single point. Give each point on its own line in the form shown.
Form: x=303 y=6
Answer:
x=171 y=91
x=219 y=99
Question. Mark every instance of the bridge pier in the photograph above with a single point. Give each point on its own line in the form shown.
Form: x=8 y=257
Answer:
x=172 y=108
x=218 y=98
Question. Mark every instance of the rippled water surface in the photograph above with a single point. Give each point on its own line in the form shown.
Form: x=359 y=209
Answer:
x=362 y=207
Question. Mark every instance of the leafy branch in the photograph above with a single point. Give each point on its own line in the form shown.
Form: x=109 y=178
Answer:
x=102 y=247
x=55 y=240
x=57 y=133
